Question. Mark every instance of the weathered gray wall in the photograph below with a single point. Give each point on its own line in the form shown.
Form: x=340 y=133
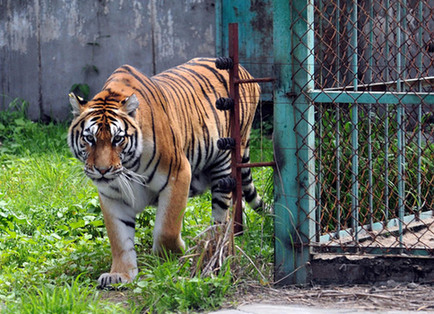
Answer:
x=46 y=46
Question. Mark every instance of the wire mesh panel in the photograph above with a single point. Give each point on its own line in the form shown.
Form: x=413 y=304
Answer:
x=374 y=126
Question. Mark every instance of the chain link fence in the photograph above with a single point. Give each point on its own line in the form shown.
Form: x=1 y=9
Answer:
x=373 y=79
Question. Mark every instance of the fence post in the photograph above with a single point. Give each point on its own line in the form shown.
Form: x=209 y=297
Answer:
x=293 y=139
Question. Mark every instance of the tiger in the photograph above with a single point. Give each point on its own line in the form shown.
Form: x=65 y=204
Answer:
x=152 y=141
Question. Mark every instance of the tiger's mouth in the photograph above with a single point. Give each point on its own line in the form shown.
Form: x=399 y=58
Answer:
x=123 y=174
x=102 y=180
x=102 y=176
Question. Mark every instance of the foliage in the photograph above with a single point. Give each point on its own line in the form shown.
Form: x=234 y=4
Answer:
x=168 y=286
x=21 y=136
x=81 y=89
x=371 y=152
x=70 y=298
x=53 y=243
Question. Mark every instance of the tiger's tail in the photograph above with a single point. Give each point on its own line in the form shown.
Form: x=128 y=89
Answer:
x=249 y=190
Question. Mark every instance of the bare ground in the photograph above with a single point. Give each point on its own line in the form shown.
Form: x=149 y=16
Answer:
x=397 y=284
x=390 y=296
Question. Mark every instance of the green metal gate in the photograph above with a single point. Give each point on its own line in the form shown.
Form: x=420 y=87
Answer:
x=354 y=130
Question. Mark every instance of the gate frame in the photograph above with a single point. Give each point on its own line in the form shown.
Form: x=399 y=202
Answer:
x=293 y=117
x=294 y=138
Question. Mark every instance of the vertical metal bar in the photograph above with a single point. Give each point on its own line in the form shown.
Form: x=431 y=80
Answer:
x=235 y=127
x=371 y=38
x=386 y=121
x=387 y=55
x=386 y=165
x=338 y=119
x=404 y=42
x=320 y=44
x=354 y=132
x=419 y=117
x=400 y=139
x=285 y=184
x=398 y=46
x=338 y=170
x=320 y=110
x=355 y=170
x=294 y=175
x=354 y=51
x=338 y=42
x=370 y=189
x=320 y=176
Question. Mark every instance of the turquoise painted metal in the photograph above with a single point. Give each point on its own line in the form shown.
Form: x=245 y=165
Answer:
x=294 y=98
x=255 y=22
x=298 y=198
x=294 y=140
x=348 y=97
x=400 y=99
x=285 y=207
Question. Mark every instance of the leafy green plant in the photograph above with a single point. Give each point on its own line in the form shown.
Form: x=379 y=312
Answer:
x=371 y=140
x=81 y=89
x=164 y=287
x=70 y=298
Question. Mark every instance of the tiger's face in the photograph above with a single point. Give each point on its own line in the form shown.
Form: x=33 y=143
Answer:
x=105 y=136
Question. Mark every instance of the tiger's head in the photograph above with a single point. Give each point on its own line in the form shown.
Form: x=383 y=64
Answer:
x=105 y=136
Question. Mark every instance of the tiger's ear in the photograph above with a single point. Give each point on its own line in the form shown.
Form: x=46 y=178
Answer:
x=76 y=102
x=130 y=105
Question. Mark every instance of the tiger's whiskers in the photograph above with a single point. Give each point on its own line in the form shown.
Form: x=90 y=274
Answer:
x=135 y=177
x=126 y=178
x=125 y=187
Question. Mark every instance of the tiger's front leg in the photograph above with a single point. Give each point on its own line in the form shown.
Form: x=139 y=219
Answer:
x=120 y=227
x=172 y=201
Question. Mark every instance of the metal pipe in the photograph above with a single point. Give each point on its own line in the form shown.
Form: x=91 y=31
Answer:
x=354 y=132
x=338 y=170
x=320 y=177
x=338 y=42
x=234 y=82
x=386 y=123
x=237 y=194
x=419 y=117
x=371 y=38
x=338 y=140
x=255 y=80
x=257 y=164
x=370 y=190
x=354 y=34
x=400 y=137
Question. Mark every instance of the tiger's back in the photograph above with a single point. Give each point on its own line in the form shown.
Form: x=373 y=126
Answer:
x=154 y=141
x=191 y=90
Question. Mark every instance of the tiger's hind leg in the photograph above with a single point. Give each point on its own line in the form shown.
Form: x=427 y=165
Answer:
x=249 y=191
x=221 y=199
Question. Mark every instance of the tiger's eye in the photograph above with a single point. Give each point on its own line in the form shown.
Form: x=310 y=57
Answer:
x=89 y=138
x=117 y=139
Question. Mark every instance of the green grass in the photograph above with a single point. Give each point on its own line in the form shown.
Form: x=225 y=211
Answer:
x=53 y=244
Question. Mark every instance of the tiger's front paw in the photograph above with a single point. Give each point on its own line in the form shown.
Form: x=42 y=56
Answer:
x=107 y=279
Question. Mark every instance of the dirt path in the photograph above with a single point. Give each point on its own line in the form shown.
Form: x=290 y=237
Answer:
x=388 y=297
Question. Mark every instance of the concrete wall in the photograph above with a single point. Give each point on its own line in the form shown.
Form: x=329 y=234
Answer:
x=46 y=46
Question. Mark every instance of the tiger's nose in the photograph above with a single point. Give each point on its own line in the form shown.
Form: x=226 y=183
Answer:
x=102 y=170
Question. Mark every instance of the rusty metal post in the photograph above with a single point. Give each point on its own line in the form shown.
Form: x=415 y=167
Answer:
x=234 y=142
x=237 y=193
